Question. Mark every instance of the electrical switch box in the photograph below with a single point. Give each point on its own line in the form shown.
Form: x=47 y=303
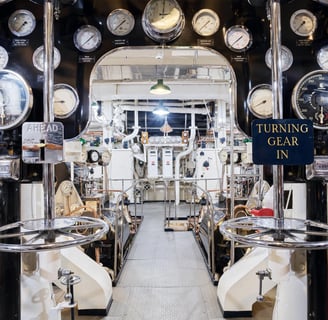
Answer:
x=167 y=162
x=152 y=163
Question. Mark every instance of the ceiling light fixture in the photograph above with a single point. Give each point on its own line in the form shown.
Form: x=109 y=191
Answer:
x=161 y=111
x=160 y=88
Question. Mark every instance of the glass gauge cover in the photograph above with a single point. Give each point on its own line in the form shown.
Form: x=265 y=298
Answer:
x=16 y=99
x=286 y=58
x=87 y=38
x=322 y=57
x=238 y=38
x=3 y=57
x=310 y=98
x=206 y=22
x=259 y=101
x=120 y=22
x=163 y=20
x=38 y=58
x=21 y=23
x=66 y=100
x=4 y=1
x=303 y=22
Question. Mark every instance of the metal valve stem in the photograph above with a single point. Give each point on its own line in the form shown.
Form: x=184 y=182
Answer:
x=262 y=274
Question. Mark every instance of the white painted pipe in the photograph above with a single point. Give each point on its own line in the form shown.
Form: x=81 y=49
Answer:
x=181 y=155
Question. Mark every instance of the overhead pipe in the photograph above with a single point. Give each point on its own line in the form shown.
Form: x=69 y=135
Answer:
x=135 y=131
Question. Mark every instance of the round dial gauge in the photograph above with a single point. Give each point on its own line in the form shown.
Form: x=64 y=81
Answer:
x=67 y=187
x=259 y=101
x=223 y=156
x=87 y=38
x=3 y=57
x=16 y=99
x=21 y=23
x=322 y=57
x=303 y=22
x=206 y=22
x=93 y=156
x=163 y=20
x=120 y=22
x=286 y=58
x=38 y=58
x=66 y=100
x=310 y=98
x=238 y=38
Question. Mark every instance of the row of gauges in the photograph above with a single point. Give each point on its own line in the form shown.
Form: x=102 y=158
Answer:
x=309 y=99
x=16 y=100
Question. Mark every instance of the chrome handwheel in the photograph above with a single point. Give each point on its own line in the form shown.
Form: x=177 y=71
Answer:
x=44 y=234
x=277 y=233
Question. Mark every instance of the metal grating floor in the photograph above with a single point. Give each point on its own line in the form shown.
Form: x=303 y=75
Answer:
x=164 y=277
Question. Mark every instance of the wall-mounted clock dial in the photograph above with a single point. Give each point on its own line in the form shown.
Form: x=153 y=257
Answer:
x=163 y=20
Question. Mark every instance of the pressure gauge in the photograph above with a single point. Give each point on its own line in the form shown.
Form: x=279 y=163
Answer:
x=286 y=58
x=21 y=23
x=322 y=57
x=67 y=188
x=3 y=57
x=238 y=38
x=206 y=22
x=38 y=58
x=223 y=155
x=259 y=101
x=163 y=20
x=16 y=99
x=87 y=38
x=93 y=156
x=66 y=100
x=120 y=22
x=303 y=22
x=105 y=157
x=310 y=98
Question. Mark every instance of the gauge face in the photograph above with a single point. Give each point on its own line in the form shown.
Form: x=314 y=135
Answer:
x=163 y=20
x=259 y=101
x=16 y=99
x=87 y=38
x=238 y=38
x=21 y=23
x=286 y=58
x=93 y=156
x=3 y=57
x=223 y=156
x=322 y=57
x=66 y=100
x=310 y=98
x=303 y=22
x=120 y=22
x=38 y=58
x=206 y=22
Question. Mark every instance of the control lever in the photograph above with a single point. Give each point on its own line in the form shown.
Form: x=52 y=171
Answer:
x=67 y=278
x=262 y=274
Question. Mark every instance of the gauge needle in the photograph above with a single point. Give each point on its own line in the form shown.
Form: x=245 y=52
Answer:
x=22 y=25
x=59 y=101
x=163 y=10
x=205 y=24
x=321 y=115
x=262 y=102
x=87 y=40
x=120 y=24
x=302 y=24
x=237 y=40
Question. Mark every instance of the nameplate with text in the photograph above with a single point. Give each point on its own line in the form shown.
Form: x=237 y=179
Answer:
x=282 y=141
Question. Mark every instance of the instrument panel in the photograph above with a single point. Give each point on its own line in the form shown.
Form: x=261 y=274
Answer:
x=238 y=29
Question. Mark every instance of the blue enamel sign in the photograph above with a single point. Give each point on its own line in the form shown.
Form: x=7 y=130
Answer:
x=282 y=141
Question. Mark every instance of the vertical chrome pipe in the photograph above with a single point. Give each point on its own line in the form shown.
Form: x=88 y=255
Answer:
x=48 y=115
x=278 y=176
